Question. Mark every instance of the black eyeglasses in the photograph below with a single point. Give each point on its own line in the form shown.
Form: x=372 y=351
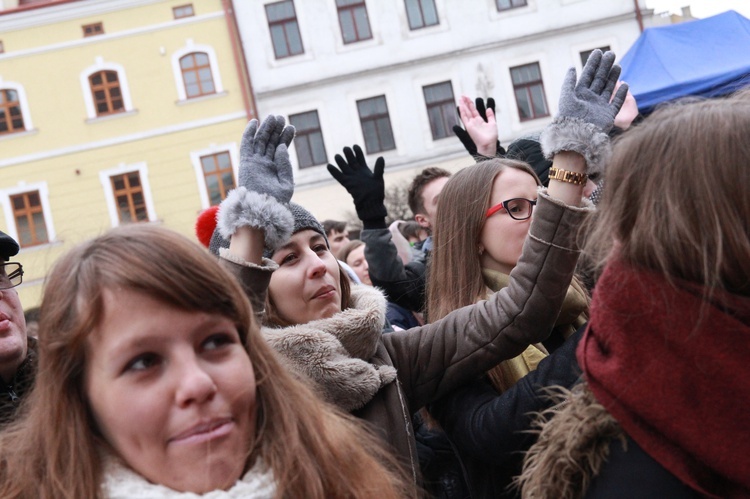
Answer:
x=517 y=208
x=11 y=275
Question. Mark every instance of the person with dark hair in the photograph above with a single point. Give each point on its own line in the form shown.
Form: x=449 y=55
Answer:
x=331 y=333
x=338 y=235
x=17 y=350
x=412 y=231
x=664 y=357
x=154 y=381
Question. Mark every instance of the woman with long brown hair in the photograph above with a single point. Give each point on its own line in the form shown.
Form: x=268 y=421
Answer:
x=666 y=377
x=154 y=381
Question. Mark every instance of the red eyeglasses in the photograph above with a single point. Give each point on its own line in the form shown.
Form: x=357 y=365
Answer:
x=517 y=208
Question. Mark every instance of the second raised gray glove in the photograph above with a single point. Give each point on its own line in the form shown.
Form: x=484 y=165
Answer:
x=585 y=113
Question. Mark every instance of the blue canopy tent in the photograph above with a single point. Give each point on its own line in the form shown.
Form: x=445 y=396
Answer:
x=706 y=57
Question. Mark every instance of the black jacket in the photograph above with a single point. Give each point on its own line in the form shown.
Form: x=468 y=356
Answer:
x=11 y=394
x=490 y=431
x=630 y=472
x=403 y=284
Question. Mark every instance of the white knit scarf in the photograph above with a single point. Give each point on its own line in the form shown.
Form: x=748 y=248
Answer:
x=121 y=482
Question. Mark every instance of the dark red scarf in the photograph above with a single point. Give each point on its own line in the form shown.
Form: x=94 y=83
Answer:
x=674 y=370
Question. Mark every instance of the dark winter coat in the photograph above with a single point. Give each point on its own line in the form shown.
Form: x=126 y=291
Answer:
x=11 y=394
x=490 y=431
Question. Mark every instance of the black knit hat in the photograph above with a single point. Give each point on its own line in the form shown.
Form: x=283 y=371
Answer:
x=8 y=247
x=529 y=149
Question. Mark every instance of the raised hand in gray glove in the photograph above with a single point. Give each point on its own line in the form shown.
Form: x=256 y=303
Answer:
x=366 y=187
x=266 y=184
x=264 y=158
x=587 y=112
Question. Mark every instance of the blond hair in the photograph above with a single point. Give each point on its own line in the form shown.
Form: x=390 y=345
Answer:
x=52 y=450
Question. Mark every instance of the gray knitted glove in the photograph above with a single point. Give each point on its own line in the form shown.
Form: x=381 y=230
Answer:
x=266 y=184
x=585 y=113
x=264 y=158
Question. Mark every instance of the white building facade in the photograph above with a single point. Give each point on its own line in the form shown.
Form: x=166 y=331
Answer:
x=386 y=74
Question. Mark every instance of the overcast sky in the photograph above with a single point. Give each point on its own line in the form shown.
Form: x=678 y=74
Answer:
x=701 y=8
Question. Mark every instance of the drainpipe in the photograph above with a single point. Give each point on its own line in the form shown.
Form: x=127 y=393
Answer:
x=638 y=15
x=246 y=86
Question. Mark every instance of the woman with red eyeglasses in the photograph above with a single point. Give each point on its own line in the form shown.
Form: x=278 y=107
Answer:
x=482 y=222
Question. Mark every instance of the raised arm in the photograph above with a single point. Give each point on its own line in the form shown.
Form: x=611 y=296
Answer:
x=480 y=134
x=255 y=216
x=435 y=359
x=404 y=284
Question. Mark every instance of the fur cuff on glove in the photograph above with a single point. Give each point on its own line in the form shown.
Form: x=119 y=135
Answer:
x=243 y=208
x=572 y=134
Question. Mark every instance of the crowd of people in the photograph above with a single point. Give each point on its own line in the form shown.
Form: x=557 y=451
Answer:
x=563 y=318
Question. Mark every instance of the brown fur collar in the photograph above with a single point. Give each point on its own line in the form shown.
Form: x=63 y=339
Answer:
x=571 y=448
x=334 y=352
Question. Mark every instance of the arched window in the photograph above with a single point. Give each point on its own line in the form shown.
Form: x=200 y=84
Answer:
x=196 y=74
x=11 y=116
x=106 y=92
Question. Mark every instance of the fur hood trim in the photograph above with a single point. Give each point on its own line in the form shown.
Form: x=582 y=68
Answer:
x=334 y=352
x=573 y=445
x=573 y=134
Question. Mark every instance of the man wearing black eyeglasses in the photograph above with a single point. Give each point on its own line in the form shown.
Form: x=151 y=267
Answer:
x=17 y=352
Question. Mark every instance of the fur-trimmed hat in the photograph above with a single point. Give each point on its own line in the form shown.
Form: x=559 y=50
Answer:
x=8 y=247
x=206 y=224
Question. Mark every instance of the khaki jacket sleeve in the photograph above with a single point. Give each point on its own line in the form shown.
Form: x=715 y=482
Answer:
x=253 y=278
x=437 y=358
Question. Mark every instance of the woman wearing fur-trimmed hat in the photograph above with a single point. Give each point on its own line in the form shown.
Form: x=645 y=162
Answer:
x=331 y=334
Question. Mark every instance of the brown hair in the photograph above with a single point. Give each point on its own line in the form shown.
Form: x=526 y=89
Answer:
x=52 y=450
x=455 y=278
x=333 y=225
x=415 y=199
x=676 y=197
x=350 y=246
x=272 y=317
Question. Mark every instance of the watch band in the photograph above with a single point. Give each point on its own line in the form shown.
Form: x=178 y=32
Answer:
x=575 y=178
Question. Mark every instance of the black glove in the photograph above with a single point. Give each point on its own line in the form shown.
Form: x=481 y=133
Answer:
x=366 y=187
x=463 y=135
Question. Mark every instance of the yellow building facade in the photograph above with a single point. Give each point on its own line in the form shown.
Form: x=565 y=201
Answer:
x=114 y=111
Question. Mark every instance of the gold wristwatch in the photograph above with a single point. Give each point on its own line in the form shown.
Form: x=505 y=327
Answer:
x=568 y=176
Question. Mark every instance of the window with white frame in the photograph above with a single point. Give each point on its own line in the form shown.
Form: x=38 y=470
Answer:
x=441 y=109
x=196 y=71
x=586 y=53
x=284 y=28
x=128 y=195
x=196 y=75
x=355 y=25
x=376 y=124
x=14 y=109
x=105 y=89
x=308 y=139
x=27 y=214
x=529 y=91
x=509 y=4
x=421 y=13
x=11 y=115
x=218 y=175
x=215 y=172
